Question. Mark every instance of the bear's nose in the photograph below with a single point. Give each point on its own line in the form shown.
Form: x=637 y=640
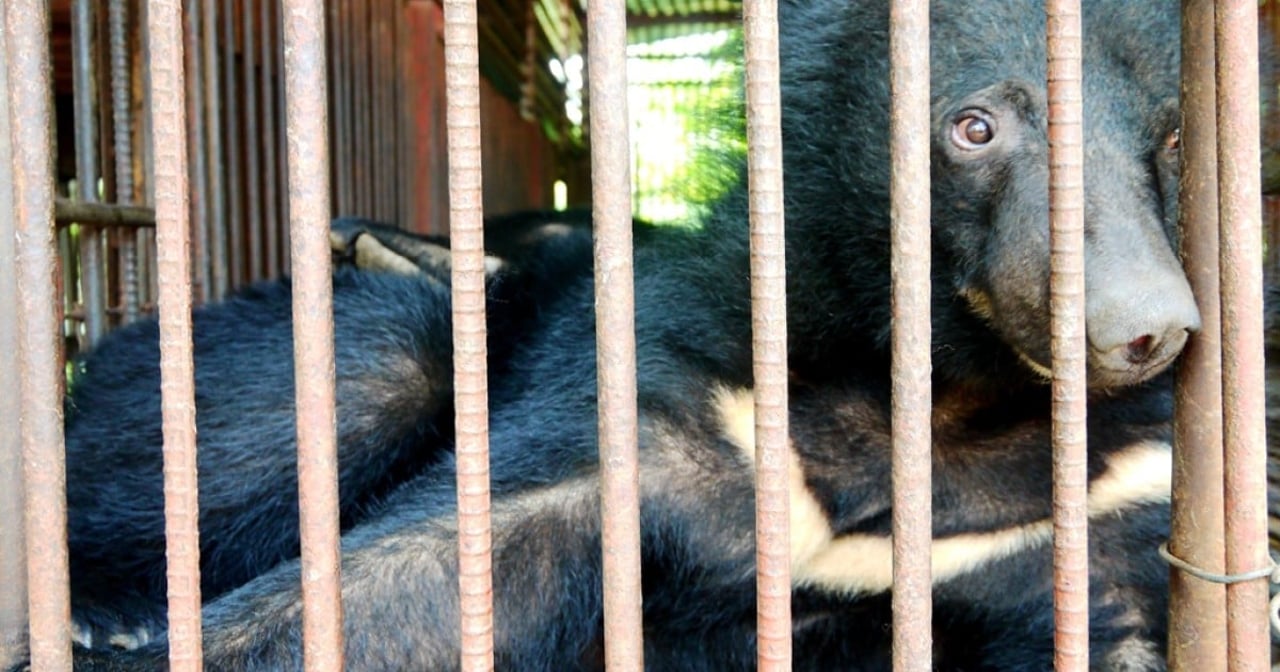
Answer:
x=1140 y=330
x=1145 y=350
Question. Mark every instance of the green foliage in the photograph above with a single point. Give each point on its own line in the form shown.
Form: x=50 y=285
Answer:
x=688 y=123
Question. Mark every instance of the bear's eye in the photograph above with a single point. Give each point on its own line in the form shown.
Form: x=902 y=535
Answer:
x=1173 y=141
x=972 y=130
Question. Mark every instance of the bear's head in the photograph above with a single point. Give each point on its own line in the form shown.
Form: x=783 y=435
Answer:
x=990 y=190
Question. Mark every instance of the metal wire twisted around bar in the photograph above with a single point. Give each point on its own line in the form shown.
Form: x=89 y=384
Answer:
x=1271 y=572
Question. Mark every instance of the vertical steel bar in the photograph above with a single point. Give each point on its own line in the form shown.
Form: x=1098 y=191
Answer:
x=269 y=182
x=85 y=95
x=615 y=334
x=1243 y=376
x=404 y=207
x=1066 y=296
x=253 y=164
x=302 y=25
x=234 y=218
x=122 y=126
x=13 y=562
x=345 y=110
x=909 y=186
x=177 y=371
x=283 y=153
x=360 y=69
x=212 y=129
x=1197 y=626
x=38 y=316
x=199 y=179
x=466 y=230
x=374 y=106
x=337 y=90
x=386 y=139
x=147 y=262
x=769 y=330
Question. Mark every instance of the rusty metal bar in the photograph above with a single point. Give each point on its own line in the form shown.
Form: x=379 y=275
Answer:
x=66 y=276
x=147 y=262
x=131 y=216
x=122 y=127
x=372 y=108
x=909 y=185
x=38 y=317
x=85 y=96
x=212 y=135
x=338 y=93
x=471 y=397
x=307 y=122
x=615 y=334
x=386 y=138
x=272 y=207
x=13 y=561
x=769 y=331
x=349 y=121
x=283 y=153
x=1243 y=376
x=1197 y=629
x=233 y=220
x=198 y=193
x=360 y=68
x=253 y=163
x=177 y=371
x=403 y=114
x=1066 y=297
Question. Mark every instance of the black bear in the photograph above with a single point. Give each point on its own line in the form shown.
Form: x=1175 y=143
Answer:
x=993 y=592
x=252 y=525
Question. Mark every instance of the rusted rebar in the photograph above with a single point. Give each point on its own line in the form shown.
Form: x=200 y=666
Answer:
x=177 y=370
x=1243 y=376
x=122 y=138
x=215 y=169
x=1197 y=629
x=387 y=85
x=338 y=65
x=66 y=211
x=769 y=329
x=307 y=132
x=252 y=154
x=615 y=334
x=1066 y=297
x=38 y=317
x=471 y=395
x=198 y=162
x=13 y=561
x=231 y=139
x=271 y=202
x=286 y=259
x=911 y=365
x=361 y=84
x=84 y=76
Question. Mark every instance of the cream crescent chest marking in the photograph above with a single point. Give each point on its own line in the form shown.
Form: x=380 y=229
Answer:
x=863 y=563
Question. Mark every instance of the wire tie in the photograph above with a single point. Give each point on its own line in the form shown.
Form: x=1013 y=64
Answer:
x=1272 y=572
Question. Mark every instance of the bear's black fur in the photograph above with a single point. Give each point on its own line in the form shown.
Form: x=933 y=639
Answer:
x=993 y=595
x=395 y=408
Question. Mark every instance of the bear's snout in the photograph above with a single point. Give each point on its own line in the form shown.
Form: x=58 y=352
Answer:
x=1137 y=324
